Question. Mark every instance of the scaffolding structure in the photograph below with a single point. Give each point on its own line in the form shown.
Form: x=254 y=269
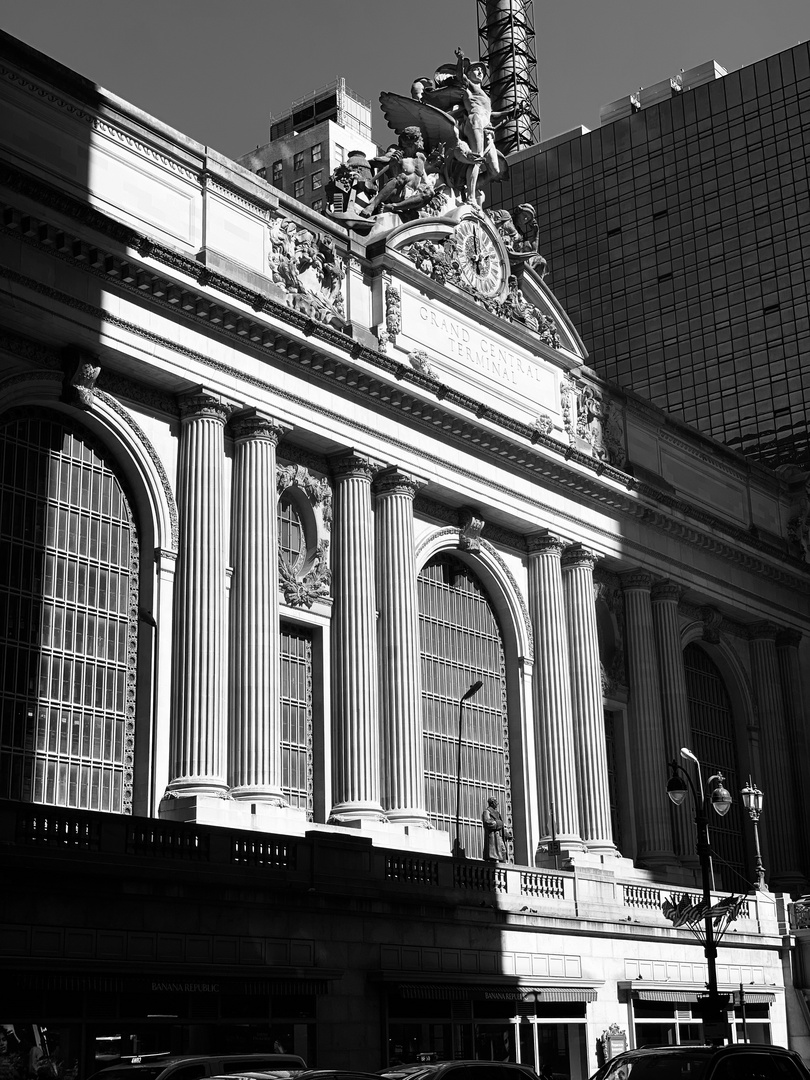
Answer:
x=506 y=37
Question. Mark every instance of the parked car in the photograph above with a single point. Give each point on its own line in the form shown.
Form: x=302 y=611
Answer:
x=467 y=1070
x=741 y=1061
x=198 y=1066
x=405 y=1072
x=335 y=1074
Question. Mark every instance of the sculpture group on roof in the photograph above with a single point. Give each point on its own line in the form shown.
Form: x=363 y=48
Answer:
x=444 y=153
x=444 y=156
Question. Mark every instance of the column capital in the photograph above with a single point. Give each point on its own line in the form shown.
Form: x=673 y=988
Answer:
x=578 y=555
x=763 y=631
x=636 y=579
x=395 y=481
x=788 y=639
x=255 y=425
x=347 y=464
x=543 y=543
x=666 y=592
x=201 y=404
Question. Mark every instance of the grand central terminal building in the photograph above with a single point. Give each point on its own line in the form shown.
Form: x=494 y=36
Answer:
x=315 y=538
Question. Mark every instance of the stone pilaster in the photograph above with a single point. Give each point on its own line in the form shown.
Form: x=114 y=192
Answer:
x=586 y=699
x=198 y=728
x=648 y=751
x=554 y=738
x=254 y=758
x=403 y=766
x=355 y=711
x=665 y=596
x=779 y=817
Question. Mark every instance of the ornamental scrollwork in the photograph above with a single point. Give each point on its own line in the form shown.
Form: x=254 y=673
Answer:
x=307 y=268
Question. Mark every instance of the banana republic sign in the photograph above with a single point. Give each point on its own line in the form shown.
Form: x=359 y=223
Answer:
x=467 y=352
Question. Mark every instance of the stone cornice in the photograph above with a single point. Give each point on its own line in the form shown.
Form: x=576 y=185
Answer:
x=516 y=445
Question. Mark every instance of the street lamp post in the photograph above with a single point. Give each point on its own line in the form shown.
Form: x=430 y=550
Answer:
x=458 y=850
x=715 y=1005
x=752 y=801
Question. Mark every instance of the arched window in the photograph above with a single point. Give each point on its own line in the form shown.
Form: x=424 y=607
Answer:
x=461 y=643
x=68 y=615
x=714 y=743
x=292 y=541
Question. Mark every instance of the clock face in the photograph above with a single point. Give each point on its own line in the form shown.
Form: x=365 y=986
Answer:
x=478 y=257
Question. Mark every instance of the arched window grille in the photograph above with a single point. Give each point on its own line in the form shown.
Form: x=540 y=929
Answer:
x=68 y=618
x=462 y=642
x=714 y=743
x=296 y=716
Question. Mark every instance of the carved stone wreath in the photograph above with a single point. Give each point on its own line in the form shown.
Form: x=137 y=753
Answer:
x=310 y=579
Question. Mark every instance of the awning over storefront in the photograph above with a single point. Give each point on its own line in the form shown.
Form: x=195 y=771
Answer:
x=478 y=992
x=752 y=997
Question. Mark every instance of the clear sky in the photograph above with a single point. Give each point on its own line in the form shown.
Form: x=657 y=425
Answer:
x=217 y=69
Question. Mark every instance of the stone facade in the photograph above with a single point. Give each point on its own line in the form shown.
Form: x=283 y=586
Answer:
x=291 y=478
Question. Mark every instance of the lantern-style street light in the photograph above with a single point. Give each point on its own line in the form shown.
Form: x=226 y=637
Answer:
x=458 y=850
x=752 y=801
x=714 y=1005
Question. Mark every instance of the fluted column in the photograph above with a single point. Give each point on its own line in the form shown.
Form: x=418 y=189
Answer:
x=586 y=699
x=779 y=822
x=355 y=711
x=255 y=720
x=649 y=756
x=403 y=765
x=552 y=694
x=787 y=655
x=665 y=597
x=198 y=729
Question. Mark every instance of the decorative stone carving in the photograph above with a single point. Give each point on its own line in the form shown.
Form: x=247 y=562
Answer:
x=519 y=232
x=393 y=310
x=712 y=620
x=421 y=361
x=81 y=373
x=308 y=269
x=567 y=400
x=798 y=528
x=471 y=525
x=543 y=425
x=315 y=584
x=599 y=424
x=439 y=261
x=309 y=580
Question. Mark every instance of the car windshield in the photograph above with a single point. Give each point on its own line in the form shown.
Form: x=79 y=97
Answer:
x=664 y=1066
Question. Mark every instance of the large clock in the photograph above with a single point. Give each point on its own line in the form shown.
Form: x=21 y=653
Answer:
x=479 y=260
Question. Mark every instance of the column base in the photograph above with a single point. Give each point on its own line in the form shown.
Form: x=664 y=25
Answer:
x=235 y=814
x=196 y=785
x=351 y=813
x=265 y=796
x=395 y=836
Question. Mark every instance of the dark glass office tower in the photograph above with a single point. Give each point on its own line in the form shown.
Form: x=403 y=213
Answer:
x=677 y=240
